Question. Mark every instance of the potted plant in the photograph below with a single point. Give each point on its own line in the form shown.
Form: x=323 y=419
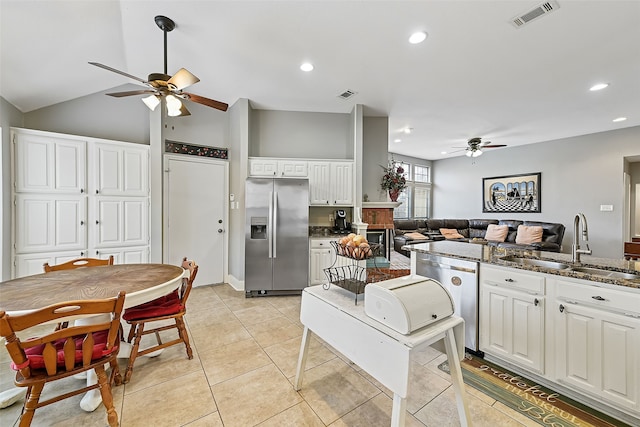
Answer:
x=393 y=179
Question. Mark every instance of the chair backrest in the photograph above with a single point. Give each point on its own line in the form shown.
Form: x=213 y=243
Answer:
x=187 y=283
x=65 y=348
x=78 y=263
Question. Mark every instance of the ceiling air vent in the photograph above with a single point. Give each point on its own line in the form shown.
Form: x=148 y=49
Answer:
x=347 y=94
x=535 y=13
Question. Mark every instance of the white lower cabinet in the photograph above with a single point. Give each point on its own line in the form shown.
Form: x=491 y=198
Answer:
x=512 y=317
x=121 y=221
x=321 y=256
x=31 y=263
x=48 y=222
x=585 y=341
x=126 y=255
x=597 y=342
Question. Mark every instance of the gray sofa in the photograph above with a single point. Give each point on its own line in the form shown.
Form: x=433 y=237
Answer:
x=475 y=229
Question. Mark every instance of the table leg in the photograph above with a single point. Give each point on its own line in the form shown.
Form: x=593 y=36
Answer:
x=302 y=358
x=399 y=411
x=456 y=378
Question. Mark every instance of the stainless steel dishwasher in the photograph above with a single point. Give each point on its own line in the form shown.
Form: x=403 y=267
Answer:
x=460 y=278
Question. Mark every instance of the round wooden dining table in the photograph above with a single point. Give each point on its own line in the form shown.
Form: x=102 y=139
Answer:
x=141 y=282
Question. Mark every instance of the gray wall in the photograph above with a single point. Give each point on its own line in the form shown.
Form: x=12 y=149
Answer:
x=292 y=134
x=578 y=175
x=9 y=116
x=97 y=115
x=375 y=145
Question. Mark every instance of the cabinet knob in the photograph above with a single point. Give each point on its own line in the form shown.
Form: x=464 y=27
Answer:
x=598 y=298
x=81 y=222
x=97 y=192
x=82 y=253
x=509 y=280
x=536 y=301
x=97 y=222
x=219 y=230
x=561 y=308
x=81 y=190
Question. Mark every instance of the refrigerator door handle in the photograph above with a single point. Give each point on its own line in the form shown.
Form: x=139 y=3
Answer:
x=275 y=224
x=270 y=225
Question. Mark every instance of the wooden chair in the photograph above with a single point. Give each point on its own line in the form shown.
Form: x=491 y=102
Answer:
x=172 y=306
x=77 y=263
x=65 y=352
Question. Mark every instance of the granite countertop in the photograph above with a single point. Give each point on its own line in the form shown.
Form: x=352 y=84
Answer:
x=493 y=255
x=326 y=232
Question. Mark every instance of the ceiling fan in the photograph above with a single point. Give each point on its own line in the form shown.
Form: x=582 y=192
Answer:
x=163 y=86
x=475 y=146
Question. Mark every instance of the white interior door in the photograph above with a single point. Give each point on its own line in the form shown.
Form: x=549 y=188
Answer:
x=194 y=215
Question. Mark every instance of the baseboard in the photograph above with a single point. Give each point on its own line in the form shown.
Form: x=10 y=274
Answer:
x=236 y=284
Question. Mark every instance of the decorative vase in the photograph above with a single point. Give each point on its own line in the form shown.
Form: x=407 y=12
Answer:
x=393 y=194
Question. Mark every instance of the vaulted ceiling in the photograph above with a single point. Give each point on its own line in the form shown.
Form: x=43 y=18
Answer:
x=476 y=74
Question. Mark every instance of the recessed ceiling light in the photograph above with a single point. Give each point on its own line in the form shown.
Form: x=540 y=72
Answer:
x=408 y=130
x=443 y=152
x=599 y=86
x=397 y=140
x=620 y=119
x=418 y=37
x=307 y=66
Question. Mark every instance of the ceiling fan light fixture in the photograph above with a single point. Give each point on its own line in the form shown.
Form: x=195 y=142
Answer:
x=174 y=106
x=474 y=153
x=151 y=101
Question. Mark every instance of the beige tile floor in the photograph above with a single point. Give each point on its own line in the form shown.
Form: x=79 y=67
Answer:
x=245 y=355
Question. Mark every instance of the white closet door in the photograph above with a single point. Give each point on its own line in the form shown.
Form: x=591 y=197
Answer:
x=195 y=219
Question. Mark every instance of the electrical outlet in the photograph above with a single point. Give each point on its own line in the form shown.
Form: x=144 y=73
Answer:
x=606 y=208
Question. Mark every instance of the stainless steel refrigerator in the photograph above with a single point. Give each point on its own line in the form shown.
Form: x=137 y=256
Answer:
x=276 y=236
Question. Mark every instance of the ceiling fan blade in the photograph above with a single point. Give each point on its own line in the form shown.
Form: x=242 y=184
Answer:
x=494 y=146
x=131 y=92
x=206 y=101
x=182 y=79
x=106 y=67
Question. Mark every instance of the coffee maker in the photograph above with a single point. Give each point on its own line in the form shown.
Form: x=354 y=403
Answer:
x=341 y=224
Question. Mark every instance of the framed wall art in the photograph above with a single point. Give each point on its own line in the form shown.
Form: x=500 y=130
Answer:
x=511 y=193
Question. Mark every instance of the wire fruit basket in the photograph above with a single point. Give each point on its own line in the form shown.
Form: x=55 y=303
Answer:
x=350 y=275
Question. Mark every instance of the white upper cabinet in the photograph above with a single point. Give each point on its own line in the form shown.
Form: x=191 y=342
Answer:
x=120 y=169
x=278 y=168
x=49 y=164
x=331 y=183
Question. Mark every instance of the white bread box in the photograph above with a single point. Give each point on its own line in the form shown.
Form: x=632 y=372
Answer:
x=407 y=303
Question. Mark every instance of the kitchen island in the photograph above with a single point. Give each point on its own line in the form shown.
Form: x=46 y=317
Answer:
x=573 y=327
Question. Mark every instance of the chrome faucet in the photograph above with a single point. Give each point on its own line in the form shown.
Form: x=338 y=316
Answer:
x=575 y=248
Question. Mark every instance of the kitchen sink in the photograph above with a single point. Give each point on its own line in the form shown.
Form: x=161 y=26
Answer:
x=605 y=273
x=536 y=262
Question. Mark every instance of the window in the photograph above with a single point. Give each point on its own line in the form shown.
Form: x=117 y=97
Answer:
x=417 y=196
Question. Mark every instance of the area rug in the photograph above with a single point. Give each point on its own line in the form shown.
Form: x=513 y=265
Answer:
x=538 y=403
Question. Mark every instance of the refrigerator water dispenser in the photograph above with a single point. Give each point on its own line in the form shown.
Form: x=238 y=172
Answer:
x=259 y=227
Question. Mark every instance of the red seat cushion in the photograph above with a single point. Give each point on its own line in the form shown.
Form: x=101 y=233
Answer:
x=163 y=306
x=36 y=360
